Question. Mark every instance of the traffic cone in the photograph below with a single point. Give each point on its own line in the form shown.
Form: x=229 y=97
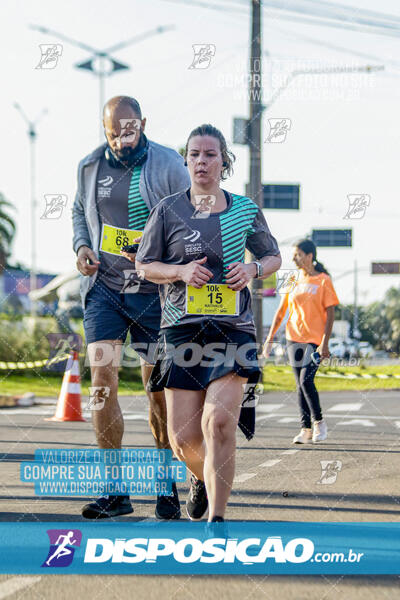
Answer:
x=69 y=400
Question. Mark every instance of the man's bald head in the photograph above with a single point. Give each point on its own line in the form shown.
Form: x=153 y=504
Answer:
x=123 y=124
x=121 y=102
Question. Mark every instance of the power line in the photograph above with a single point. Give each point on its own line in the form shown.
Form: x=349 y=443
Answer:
x=324 y=44
x=361 y=24
x=327 y=9
x=352 y=17
x=363 y=11
x=204 y=5
x=317 y=21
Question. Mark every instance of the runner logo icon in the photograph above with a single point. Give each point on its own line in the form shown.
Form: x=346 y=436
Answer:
x=63 y=543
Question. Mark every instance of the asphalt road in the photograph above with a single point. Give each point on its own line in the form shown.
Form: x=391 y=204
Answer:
x=275 y=481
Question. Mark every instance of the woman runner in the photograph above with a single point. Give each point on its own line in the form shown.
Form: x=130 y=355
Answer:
x=311 y=303
x=195 y=242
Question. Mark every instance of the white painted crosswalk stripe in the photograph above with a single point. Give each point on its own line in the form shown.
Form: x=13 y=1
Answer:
x=273 y=418
x=268 y=408
x=346 y=407
x=270 y=463
x=244 y=477
x=15 y=584
x=264 y=417
x=363 y=422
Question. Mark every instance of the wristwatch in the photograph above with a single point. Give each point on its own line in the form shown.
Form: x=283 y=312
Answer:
x=259 y=268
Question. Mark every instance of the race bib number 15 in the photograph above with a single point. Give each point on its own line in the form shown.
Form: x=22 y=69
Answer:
x=212 y=299
x=114 y=238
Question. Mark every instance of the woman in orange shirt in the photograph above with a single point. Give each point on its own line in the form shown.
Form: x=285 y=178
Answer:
x=311 y=305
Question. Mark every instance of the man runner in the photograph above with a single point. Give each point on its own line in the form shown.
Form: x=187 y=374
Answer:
x=118 y=184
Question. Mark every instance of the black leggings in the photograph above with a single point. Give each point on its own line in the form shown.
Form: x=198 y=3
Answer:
x=304 y=371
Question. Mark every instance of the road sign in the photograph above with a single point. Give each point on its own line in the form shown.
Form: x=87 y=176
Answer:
x=385 y=268
x=281 y=196
x=332 y=237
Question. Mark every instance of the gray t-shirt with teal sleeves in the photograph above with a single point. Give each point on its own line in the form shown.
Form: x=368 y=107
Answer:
x=174 y=235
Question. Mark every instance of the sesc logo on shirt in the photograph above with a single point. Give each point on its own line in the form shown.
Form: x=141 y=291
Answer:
x=195 y=246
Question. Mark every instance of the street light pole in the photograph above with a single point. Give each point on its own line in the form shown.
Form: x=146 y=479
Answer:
x=33 y=278
x=101 y=64
x=355 y=314
x=32 y=151
x=101 y=76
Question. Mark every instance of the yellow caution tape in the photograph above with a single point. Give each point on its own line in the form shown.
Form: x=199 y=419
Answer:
x=32 y=364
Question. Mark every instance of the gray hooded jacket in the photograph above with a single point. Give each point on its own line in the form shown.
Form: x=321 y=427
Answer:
x=162 y=174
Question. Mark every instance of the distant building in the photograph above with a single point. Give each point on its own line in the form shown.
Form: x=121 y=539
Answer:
x=15 y=287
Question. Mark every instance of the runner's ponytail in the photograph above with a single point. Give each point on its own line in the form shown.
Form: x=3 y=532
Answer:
x=308 y=247
x=319 y=267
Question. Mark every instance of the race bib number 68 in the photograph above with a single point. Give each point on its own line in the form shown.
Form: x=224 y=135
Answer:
x=114 y=238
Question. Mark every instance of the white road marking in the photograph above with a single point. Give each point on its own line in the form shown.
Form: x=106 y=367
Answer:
x=397 y=423
x=43 y=411
x=338 y=416
x=289 y=451
x=346 y=407
x=136 y=417
x=268 y=408
x=244 y=477
x=289 y=420
x=364 y=422
x=264 y=417
x=10 y=586
x=270 y=463
x=26 y=411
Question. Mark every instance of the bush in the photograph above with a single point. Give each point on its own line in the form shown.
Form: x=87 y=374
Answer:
x=21 y=340
x=24 y=340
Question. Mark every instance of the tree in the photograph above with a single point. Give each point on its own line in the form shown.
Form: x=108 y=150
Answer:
x=392 y=313
x=7 y=230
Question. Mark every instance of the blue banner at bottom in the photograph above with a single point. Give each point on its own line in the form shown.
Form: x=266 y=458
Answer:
x=231 y=548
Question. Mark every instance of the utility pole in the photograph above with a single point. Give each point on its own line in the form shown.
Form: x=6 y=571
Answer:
x=254 y=141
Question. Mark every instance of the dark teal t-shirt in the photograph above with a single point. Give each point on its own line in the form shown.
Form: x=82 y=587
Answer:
x=174 y=235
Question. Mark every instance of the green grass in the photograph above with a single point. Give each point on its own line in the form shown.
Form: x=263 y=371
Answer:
x=281 y=378
x=275 y=378
x=50 y=386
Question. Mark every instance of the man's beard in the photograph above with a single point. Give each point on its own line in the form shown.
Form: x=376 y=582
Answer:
x=126 y=155
x=130 y=157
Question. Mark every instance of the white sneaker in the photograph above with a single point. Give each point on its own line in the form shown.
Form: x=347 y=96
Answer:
x=304 y=437
x=320 y=431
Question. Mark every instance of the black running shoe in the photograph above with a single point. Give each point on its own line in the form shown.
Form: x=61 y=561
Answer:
x=197 y=502
x=107 y=507
x=168 y=507
x=217 y=520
